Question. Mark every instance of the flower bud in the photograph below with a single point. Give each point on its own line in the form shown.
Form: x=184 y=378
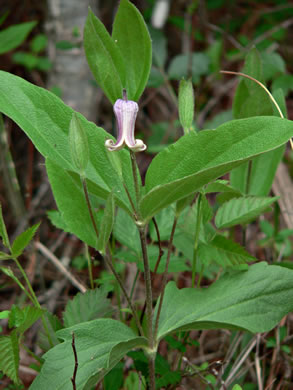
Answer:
x=186 y=105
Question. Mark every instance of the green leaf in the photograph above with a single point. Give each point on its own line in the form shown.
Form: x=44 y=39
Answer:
x=237 y=387
x=285 y=82
x=13 y=36
x=159 y=47
x=223 y=187
x=4 y=314
x=241 y=210
x=53 y=325
x=179 y=66
x=106 y=224
x=251 y=100
x=3 y=17
x=39 y=43
x=131 y=36
x=164 y=219
x=114 y=379
x=28 y=60
x=22 y=241
x=224 y=252
x=126 y=232
x=24 y=318
x=3 y=231
x=70 y=198
x=254 y=300
x=89 y=306
x=100 y=345
x=46 y=119
x=195 y=160
x=9 y=356
x=104 y=58
x=274 y=64
x=177 y=264
x=56 y=220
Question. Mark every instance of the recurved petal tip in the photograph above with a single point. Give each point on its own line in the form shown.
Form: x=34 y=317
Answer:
x=111 y=146
x=139 y=146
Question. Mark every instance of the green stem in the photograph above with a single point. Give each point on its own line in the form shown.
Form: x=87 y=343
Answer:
x=197 y=230
x=161 y=252
x=134 y=283
x=89 y=265
x=31 y=353
x=147 y=279
x=135 y=178
x=34 y=300
x=87 y=198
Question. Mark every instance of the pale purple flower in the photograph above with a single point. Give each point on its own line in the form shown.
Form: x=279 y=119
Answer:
x=125 y=112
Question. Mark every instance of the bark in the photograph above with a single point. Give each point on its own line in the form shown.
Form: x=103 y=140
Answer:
x=70 y=70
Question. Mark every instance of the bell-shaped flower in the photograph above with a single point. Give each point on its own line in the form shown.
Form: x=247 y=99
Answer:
x=125 y=112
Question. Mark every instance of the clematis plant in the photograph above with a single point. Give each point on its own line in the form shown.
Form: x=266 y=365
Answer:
x=148 y=220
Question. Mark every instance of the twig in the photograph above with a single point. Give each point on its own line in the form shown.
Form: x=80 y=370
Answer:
x=285 y=24
x=46 y=252
x=73 y=379
x=196 y=372
x=240 y=361
x=257 y=364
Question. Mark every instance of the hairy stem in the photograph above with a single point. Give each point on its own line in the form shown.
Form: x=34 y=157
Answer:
x=149 y=303
x=89 y=265
x=87 y=199
x=108 y=258
x=161 y=252
x=165 y=275
x=135 y=178
x=197 y=230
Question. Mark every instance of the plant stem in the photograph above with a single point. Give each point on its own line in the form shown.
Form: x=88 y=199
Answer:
x=108 y=257
x=197 y=230
x=149 y=304
x=147 y=278
x=152 y=373
x=34 y=300
x=148 y=285
x=86 y=194
x=134 y=283
x=165 y=275
x=135 y=178
x=161 y=252
x=73 y=379
x=89 y=265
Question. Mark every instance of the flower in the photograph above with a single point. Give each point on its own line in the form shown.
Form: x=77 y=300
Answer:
x=125 y=112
